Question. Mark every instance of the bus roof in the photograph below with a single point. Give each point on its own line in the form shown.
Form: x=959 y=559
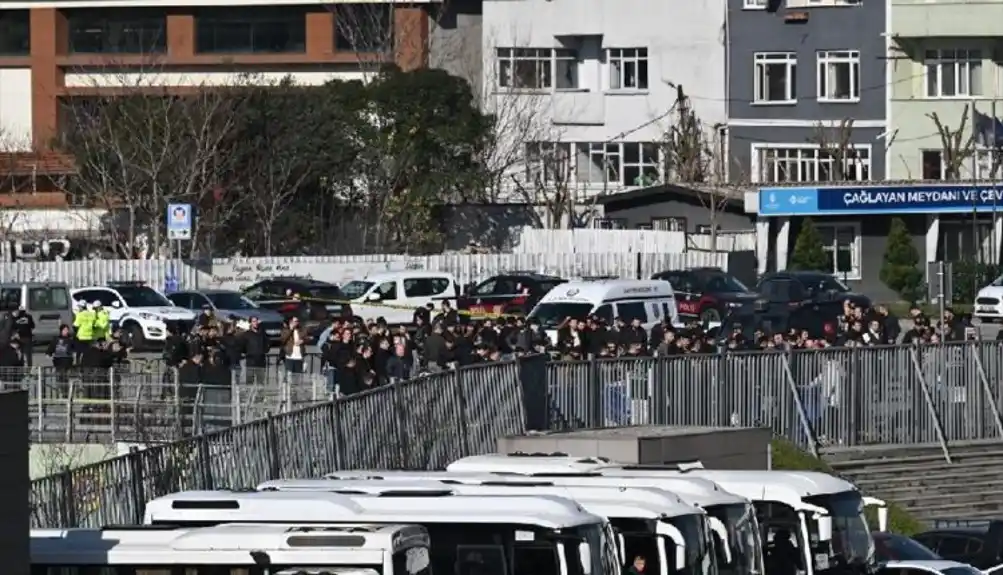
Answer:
x=741 y=482
x=607 y=290
x=668 y=504
x=692 y=490
x=432 y=506
x=227 y=543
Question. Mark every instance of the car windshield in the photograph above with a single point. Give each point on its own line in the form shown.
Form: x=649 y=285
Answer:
x=743 y=535
x=724 y=283
x=355 y=289
x=142 y=296
x=230 y=300
x=699 y=560
x=998 y=282
x=552 y=314
x=890 y=547
x=851 y=539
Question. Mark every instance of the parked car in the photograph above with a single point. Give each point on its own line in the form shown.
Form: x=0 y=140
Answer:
x=230 y=304
x=989 y=301
x=708 y=294
x=976 y=542
x=394 y=296
x=314 y=302
x=787 y=292
x=896 y=547
x=513 y=293
x=929 y=567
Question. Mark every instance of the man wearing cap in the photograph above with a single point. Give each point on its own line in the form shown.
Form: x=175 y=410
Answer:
x=102 y=322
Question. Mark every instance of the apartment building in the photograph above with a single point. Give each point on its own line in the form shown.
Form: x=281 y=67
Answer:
x=803 y=76
x=944 y=63
x=584 y=88
x=51 y=50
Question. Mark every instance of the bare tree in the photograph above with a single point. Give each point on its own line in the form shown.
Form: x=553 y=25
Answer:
x=139 y=149
x=956 y=147
x=836 y=150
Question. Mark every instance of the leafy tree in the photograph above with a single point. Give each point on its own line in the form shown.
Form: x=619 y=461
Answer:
x=809 y=252
x=900 y=270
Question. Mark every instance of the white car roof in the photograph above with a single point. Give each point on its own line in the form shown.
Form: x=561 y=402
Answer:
x=284 y=543
x=935 y=564
x=529 y=464
x=692 y=490
x=668 y=504
x=599 y=291
x=408 y=274
x=321 y=507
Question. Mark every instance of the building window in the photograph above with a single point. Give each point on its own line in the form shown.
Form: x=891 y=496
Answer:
x=800 y=164
x=966 y=240
x=252 y=30
x=365 y=27
x=839 y=76
x=15 y=33
x=953 y=73
x=92 y=31
x=640 y=164
x=628 y=68
x=776 y=78
x=597 y=162
x=533 y=69
x=754 y=4
x=842 y=242
x=668 y=224
x=983 y=161
x=548 y=162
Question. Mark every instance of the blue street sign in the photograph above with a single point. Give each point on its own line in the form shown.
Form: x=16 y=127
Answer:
x=179 y=221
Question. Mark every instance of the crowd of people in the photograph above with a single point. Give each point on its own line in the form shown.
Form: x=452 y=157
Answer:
x=356 y=355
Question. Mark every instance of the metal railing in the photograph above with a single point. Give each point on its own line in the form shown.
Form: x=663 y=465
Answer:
x=150 y=403
x=899 y=395
x=422 y=423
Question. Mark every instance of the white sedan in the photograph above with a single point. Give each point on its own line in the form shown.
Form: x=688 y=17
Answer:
x=989 y=301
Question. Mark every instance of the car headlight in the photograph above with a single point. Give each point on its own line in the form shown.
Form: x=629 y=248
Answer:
x=734 y=304
x=148 y=317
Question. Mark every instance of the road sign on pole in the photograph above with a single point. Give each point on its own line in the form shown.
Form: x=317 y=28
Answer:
x=179 y=221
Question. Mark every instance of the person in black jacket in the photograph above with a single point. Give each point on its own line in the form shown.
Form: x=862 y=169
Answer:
x=255 y=346
x=24 y=327
x=61 y=352
x=398 y=366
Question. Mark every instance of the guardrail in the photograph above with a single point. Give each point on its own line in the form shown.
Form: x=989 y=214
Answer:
x=150 y=403
x=899 y=395
x=422 y=423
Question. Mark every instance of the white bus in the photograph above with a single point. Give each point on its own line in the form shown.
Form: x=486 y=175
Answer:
x=233 y=549
x=541 y=535
x=824 y=515
x=670 y=533
x=733 y=517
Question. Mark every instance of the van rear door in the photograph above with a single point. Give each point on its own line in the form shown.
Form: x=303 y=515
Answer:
x=49 y=306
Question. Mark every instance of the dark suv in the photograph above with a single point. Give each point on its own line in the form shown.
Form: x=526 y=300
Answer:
x=314 y=302
x=709 y=294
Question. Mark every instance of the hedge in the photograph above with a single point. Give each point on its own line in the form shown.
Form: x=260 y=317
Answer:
x=787 y=456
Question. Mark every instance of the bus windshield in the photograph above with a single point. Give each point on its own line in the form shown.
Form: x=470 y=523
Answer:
x=852 y=543
x=743 y=538
x=699 y=558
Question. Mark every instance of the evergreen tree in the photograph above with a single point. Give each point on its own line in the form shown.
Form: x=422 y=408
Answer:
x=809 y=253
x=900 y=270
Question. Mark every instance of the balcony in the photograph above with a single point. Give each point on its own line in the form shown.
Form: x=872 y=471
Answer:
x=947 y=18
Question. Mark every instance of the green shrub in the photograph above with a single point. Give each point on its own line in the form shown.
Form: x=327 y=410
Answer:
x=900 y=270
x=969 y=277
x=809 y=253
x=786 y=456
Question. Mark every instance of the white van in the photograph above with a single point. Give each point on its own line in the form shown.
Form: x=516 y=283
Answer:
x=395 y=295
x=647 y=300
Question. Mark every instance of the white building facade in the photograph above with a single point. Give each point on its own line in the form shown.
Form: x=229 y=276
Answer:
x=584 y=90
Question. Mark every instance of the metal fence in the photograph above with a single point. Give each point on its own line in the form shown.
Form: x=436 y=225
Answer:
x=149 y=403
x=419 y=424
x=839 y=397
x=902 y=395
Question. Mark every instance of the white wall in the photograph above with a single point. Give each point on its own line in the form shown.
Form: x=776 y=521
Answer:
x=189 y=78
x=685 y=43
x=15 y=109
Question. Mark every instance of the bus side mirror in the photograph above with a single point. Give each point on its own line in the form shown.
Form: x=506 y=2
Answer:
x=585 y=557
x=825 y=528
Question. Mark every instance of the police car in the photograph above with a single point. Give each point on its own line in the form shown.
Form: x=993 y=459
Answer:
x=139 y=310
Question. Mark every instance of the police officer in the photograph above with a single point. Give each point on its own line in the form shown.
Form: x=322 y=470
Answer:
x=83 y=325
x=102 y=322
